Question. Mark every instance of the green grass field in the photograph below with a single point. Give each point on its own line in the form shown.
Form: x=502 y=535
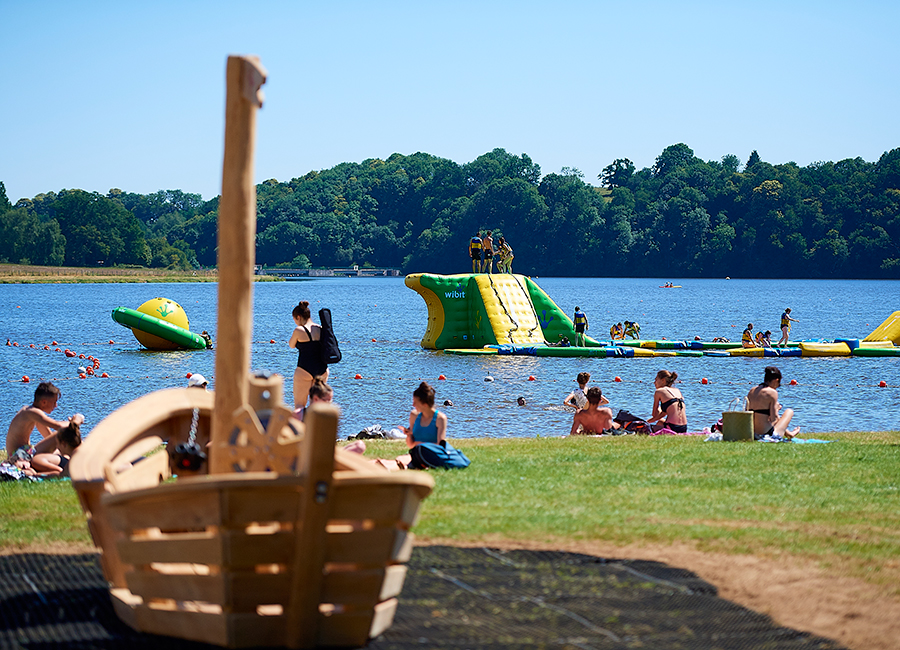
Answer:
x=837 y=504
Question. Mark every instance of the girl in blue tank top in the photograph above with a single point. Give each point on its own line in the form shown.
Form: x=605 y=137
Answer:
x=425 y=423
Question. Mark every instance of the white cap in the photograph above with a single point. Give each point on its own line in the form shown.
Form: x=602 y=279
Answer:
x=197 y=380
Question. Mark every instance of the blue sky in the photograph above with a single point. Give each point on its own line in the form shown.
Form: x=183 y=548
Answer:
x=97 y=95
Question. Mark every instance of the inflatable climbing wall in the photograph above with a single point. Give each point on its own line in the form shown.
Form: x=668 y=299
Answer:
x=473 y=310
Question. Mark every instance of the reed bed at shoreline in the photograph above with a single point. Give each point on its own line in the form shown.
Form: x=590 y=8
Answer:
x=21 y=274
x=837 y=504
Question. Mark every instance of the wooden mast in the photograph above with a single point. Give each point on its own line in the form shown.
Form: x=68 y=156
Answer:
x=237 y=242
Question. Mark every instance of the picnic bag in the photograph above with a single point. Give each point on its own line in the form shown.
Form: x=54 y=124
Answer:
x=331 y=353
x=632 y=423
x=430 y=455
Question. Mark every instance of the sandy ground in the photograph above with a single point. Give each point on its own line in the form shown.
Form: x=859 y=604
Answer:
x=794 y=592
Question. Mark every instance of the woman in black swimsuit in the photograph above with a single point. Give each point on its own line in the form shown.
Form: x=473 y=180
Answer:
x=310 y=362
x=668 y=404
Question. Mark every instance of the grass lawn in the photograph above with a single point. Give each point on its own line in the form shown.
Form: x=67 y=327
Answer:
x=836 y=504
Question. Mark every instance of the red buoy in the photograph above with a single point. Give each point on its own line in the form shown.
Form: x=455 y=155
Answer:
x=272 y=341
x=532 y=378
x=31 y=345
x=617 y=378
x=70 y=354
x=81 y=356
x=792 y=382
x=104 y=375
x=882 y=384
x=704 y=381
x=81 y=375
x=441 y=378
x=26 y=379
x=358 y=376
x=54 y=343
x=373 y=341
x=89 y=371
x=46 y=347
x=188 y=376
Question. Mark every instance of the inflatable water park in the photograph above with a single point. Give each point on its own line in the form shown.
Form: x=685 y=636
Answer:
x=161 y=324
x=509 y=314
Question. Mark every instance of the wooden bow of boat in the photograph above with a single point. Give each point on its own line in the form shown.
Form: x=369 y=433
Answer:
x=286 y=541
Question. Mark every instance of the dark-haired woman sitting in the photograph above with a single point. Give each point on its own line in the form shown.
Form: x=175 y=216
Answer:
x=425 y=423
x=668 y=404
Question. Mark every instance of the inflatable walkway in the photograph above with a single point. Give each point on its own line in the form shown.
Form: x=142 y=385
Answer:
x=510 y=314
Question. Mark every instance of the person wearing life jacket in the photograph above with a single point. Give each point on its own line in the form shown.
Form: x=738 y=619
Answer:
x=786 y=321
x=581 y=324
x=505 y=253
x=747 y=337
x=475 y=252
x=633 y=330
x=617 y=331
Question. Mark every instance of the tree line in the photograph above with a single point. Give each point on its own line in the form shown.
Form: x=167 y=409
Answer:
x=682 y=217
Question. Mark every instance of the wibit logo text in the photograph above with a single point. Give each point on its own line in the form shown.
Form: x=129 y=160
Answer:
x=454 y=294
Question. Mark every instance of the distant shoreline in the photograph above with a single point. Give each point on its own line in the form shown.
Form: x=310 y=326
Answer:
x=25 y=274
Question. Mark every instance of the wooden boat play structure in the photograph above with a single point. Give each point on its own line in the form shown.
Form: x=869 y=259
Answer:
x=286 y=540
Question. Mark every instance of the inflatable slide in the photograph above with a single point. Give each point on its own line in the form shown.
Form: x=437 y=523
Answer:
x=474 y=310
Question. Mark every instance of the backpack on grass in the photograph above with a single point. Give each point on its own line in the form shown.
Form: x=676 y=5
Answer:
x=331 y=353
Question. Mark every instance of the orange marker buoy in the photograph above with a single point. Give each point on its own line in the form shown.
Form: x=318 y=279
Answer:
x=358 y=376
x=96 y=364
x=25 y=379
x=15 y=345
x=89 y=371
x=110 y=341
x=81 y=356
x=374 y=341
x=70 y=354
x=31 y=345
x=272 y=341
x=617 y=378
x=81 y=375
x=105 y=376
x=882 y=384
x=91 y=357
x=53 y=343
x=793 y=382
x=57 y=350
x=188 y=376
x=704 y=381
x=441 y=378
x=532 y=378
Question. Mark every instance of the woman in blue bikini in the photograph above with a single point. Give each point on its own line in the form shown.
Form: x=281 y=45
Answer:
x=425 y=423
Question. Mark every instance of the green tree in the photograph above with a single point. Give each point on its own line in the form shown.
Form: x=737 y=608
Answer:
x=617 y=173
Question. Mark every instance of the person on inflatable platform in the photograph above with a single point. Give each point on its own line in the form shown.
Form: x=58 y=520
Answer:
x=747 y=337
x=307 y=338
x=668 y=404
x=633 y=330
x=505 y=252
x=425 y=423
x=18 y=436
x=487 y=253
x=581 y=324
x=617 y=331
x=475 y=252
x=593 y=420
x=786 y=321
x=763 y=401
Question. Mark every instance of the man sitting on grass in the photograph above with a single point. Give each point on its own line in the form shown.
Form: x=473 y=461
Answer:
x=593 y=420
x=18 y=437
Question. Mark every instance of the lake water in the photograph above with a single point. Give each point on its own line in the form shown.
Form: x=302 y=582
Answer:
x=833 y=394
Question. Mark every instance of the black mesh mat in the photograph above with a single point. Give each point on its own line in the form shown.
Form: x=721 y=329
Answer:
x=453 y=598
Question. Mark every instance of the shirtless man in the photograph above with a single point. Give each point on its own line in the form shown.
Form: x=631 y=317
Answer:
x=593 y=419
x=487 y=251
x=18 y=437
x=763 y=401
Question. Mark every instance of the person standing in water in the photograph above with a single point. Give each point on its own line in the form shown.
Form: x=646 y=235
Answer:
x=581 y=324
x=307 y=338
x=786 y=321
